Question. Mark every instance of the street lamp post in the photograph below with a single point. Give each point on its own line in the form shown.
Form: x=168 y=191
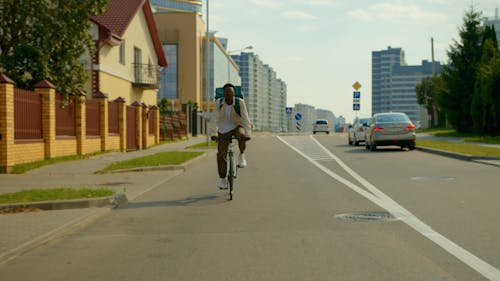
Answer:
x=207 y=74
x=229 y=60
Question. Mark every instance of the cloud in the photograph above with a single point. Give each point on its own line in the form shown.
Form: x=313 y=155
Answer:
x=307 y=28
x=398 y=13
x=299 y=15
x=267 y=3
x=320 y=2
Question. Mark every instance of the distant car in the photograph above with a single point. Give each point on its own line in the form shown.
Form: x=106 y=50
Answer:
x=321 y=125
x=393 y=128
x=359 y=126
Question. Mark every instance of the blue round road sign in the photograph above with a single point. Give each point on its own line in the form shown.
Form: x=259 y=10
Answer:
x=298 y=116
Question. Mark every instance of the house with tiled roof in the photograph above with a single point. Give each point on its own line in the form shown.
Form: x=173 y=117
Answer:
x=129 y=54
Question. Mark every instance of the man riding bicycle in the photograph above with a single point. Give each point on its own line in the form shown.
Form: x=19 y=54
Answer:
x=229 y=123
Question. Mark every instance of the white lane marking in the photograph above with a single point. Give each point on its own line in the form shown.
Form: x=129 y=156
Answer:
x=384 y=201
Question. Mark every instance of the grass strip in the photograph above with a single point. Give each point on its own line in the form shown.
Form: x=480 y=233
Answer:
x=203 y=144
x=158 y=159
x=22 y=168
x=469 y=149
x=53 y=194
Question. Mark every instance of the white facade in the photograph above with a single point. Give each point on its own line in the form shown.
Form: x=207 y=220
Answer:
x=265 y=94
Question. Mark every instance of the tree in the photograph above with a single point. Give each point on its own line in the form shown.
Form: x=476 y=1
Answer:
x=427 y=94
x=44 y=39
x=486 y=100
x=460 y=75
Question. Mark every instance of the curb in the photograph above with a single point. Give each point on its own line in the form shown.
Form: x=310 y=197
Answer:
x=466 y=157
x=114 y=201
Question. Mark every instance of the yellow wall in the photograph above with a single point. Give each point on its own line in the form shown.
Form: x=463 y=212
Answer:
x=116 y=78
x=65 y=147
x=188 y=31
x=28 y=152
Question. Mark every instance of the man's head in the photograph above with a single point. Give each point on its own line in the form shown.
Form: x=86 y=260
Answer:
x=229 y=93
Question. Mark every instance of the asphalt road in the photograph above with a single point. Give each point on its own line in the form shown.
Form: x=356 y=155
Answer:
x=285 y=221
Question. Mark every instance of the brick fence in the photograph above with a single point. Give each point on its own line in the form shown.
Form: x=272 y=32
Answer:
x=24 y=142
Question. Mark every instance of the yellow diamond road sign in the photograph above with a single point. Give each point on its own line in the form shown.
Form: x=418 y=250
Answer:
x=356 y=85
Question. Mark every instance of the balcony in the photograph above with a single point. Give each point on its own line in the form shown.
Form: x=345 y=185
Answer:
x=146 y=76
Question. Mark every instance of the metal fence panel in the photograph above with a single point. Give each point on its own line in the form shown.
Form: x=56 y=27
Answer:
x=27 y=115
x=93 y=118
x=113 y=125
x=65 y=117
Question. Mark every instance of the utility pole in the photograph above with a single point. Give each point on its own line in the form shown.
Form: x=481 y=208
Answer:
x=432 y=51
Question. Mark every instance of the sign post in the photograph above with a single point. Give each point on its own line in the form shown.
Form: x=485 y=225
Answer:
x=298 y=117
x=356 y=97
x=289 y=111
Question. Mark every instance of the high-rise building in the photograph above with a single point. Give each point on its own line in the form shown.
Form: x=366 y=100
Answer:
x=264 y=93
x=382 y=64
x=394 y=82
x=182 y=32
x=222 y=68
x=183 y=36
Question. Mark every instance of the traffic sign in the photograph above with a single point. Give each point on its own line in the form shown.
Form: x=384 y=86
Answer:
x=356 y=85
x=298 y=116
x=356 y=95
x=288 y=110
x=355 y=106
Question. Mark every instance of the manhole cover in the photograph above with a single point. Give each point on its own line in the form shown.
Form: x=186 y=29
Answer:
x=433 y=178
x=366 y=217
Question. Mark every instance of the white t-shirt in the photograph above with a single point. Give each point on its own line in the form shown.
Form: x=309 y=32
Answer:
x=226 y=124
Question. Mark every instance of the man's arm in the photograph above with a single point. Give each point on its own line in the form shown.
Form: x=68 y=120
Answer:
x=214 y=120
x=247 y=124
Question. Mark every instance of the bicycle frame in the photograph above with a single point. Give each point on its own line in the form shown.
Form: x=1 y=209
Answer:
x=232 y=168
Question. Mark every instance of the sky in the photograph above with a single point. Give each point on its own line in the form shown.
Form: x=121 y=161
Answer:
x=320 y=48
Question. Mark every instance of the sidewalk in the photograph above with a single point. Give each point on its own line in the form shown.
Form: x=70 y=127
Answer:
x=21 y=232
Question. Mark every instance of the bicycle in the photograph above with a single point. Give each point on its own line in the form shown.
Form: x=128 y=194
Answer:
x=232 y=167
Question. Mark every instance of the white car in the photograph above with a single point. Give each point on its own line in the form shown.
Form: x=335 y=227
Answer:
x=358 y=129
x=321 y=125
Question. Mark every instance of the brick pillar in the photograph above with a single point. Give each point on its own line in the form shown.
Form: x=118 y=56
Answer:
x=122 y=123
x=145 y=126
x=138 y=122
x=48 y=93
x=6 y=124
x=103 y=108
x=155 y=114
x=81 y=123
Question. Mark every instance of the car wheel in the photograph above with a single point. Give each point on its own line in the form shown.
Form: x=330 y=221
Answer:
x=356 y=143
x=327 y=133
x=411 y=147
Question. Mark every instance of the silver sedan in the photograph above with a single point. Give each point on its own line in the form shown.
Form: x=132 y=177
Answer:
x=393 y=128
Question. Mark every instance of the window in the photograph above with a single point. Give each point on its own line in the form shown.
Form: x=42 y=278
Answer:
x=138 y=64
x=122 y=52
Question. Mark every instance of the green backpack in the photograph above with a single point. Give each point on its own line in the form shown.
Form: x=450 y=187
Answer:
x=219 y=95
